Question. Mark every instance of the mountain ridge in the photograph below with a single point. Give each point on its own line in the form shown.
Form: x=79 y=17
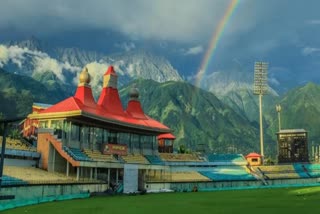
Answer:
x=196 y=116
x=28 y=56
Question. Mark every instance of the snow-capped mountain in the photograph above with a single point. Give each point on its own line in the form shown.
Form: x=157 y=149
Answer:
x=76 y=56
x=222 y=83
x=31 y=59
x=144 y=64
x=32 y=44
x=235 y=89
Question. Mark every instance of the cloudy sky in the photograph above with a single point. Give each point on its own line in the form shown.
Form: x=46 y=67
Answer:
x=283 y=32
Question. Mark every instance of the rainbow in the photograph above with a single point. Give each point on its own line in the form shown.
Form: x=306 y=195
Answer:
x=215 y=40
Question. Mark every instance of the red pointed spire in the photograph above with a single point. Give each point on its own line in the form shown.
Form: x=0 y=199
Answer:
x=110 y=71
x=109 y=98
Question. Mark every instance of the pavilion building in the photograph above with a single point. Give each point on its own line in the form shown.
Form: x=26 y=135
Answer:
x=94 y=139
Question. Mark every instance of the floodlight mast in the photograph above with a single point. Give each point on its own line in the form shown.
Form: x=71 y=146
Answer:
x=260 y=88
x=278 y=109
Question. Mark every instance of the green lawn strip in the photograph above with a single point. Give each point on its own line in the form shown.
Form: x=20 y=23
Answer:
x=271 y=201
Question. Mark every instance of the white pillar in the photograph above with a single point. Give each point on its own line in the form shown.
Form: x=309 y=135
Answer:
x=91 y=172
x=67 y=171
x=108 y=176
x=117 y=175
x=279 y=119
x=54 y=158
x=69 y=134
x=78 y=171
x=261 y=126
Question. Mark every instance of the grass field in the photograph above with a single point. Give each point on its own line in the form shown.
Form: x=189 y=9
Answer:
x=260 y=201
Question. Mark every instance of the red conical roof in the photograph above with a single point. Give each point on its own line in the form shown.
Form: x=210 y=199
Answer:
x=84 y=94
x=134 y=109
x=110 y=101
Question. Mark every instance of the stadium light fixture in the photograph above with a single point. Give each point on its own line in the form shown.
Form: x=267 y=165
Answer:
x=260 y=88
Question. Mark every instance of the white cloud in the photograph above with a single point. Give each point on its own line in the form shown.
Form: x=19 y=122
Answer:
x=127 y=46
x=67 y=66
x=17 y=55
x=178 y=20
x=309 y=50
x=41 y=61
x=194 y=50
x=48 y=64
x=273 y=81
x=313 y=22
x=96 y=71
x=181 y=20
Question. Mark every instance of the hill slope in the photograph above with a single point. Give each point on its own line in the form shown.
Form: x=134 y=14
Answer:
x=300 y=109
x=17 y=93
x=196 y=116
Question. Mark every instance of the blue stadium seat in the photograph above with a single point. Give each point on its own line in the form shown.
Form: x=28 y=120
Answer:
x=154 y=159
x=227 y=158
x=11 y=181
x=301 y=170
x=76 y=154
x=228 y=173
x=312 y=169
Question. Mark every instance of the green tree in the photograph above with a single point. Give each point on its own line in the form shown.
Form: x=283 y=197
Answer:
x=14 y=133
x=182 y=149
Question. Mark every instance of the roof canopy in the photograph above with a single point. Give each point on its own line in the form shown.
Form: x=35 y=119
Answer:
x=284 y=131
x=166 y=136
x=253 y=155
x=109 y=108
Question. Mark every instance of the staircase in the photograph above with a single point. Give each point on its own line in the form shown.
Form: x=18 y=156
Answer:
x=58 y=147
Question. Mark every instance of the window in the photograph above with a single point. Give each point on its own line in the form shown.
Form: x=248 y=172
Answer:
x=99 y=135
x=168 y=142
x=75 y=132
x=124 y=138
x=56 y=124
x=254 y=159
x=43 y=124
x=135 y=141
x=112 y=138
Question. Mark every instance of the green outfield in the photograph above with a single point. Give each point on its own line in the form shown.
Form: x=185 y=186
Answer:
x=260 y=201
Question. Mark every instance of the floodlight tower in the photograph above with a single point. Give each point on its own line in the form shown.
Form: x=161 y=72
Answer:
x=260 y=88
x=278 y=109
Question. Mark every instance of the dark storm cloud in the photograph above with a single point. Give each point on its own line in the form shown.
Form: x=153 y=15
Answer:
x=183 y=20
